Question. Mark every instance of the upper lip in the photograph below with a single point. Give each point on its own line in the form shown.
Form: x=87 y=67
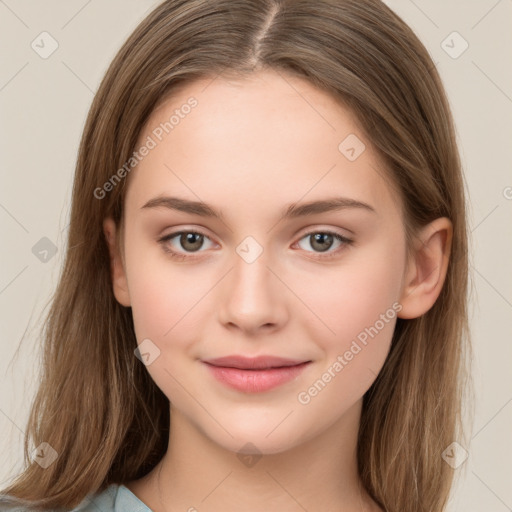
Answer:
x=253 y=363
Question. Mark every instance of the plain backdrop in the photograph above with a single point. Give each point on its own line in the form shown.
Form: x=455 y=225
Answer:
x=43 y=105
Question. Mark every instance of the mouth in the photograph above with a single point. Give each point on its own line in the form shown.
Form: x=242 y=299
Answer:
x=255 y=375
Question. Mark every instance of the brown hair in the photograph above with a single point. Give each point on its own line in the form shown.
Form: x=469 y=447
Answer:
x=97 y=405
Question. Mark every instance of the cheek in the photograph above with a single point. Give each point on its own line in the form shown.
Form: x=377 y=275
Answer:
x=166 y=305
x=162 y=295
x=355 y=307
x=360 y=312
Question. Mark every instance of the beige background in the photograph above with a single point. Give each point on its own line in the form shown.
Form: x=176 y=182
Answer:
x=43 y=104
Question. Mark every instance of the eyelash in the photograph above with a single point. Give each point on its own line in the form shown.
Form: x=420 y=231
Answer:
x=182 y=256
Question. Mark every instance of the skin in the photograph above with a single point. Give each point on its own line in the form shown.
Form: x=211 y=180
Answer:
x=251 y=147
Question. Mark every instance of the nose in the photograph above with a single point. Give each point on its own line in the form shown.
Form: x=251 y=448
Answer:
x=253 y=298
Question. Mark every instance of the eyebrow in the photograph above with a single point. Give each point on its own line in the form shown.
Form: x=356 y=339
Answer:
x=291 y=211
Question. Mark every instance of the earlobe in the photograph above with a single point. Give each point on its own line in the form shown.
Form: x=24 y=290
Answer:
x=117 y=271
x=427 y=267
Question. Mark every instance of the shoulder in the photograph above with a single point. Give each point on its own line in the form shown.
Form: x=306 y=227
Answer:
x=115 y=498
x=104 y=501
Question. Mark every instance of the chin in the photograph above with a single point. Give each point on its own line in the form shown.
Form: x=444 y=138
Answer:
x=256 y=440
x=259 y=445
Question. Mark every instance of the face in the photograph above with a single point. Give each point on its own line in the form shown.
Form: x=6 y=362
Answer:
x=319 y=286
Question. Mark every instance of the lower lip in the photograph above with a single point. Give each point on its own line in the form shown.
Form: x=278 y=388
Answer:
x=256 y=381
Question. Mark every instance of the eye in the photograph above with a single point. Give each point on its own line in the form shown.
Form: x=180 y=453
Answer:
x=189 y=241
x=322 y=241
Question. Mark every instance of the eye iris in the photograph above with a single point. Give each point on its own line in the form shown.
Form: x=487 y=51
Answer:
x=320 y=238
x=193 y=238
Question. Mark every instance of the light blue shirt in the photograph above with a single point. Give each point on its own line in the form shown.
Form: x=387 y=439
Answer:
x=115 y=498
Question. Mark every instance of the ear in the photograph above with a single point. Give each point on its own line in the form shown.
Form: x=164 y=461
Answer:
x=426 y=268
x=118 y=273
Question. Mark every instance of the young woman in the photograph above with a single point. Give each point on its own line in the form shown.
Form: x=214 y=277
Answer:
x=263 y=303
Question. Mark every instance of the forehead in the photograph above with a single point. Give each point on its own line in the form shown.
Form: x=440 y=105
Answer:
x=268 y=135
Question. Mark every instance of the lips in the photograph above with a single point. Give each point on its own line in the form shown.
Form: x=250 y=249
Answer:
x=257 y=374
x=253 y=363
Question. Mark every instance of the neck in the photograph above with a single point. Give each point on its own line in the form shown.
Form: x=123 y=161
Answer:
x=197 y=474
